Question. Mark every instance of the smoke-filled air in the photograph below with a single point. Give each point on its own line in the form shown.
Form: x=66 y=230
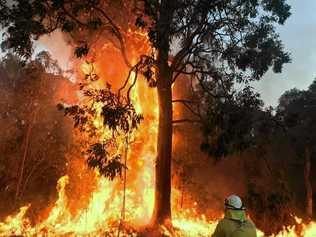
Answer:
x=141 y=118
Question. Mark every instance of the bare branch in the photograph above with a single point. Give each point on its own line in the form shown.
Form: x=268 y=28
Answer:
x=131 y=86
x=127 y=79
x=73 y=17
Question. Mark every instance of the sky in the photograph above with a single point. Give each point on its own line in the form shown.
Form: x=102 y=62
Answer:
x=298 y=36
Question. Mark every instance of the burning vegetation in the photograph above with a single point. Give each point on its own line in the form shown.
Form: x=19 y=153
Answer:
x=149 y=129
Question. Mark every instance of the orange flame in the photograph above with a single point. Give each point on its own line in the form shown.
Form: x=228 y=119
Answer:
x=103 y=212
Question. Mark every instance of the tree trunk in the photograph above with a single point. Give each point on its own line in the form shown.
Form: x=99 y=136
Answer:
x=308 y=185
x=162 y=207
x=26 y=146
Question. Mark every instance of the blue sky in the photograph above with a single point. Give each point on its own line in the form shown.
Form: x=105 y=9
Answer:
x=298 y=36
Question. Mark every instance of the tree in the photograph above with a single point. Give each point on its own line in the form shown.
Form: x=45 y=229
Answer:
x=233 y=124
x=269 y=196
x=214 y=43
x=35 y=135
x=297 y=110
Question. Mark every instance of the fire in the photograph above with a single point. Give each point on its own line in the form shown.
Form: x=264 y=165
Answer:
x=87 y=67
x=102 y=214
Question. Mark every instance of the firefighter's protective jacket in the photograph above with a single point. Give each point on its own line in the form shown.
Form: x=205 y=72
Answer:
x=235 y=224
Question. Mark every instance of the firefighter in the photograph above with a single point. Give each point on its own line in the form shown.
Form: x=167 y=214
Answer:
x=235 y=222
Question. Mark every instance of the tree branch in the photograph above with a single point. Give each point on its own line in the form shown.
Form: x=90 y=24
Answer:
x=127 y=79
x=131 y=86
x=117 y=33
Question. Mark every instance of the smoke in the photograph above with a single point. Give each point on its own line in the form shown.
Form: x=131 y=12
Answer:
x=59 y=46
x=202 y=181
x=35 y=135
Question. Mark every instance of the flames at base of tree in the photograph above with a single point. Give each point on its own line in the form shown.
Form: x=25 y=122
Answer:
x=102 y=217
x=103 y=214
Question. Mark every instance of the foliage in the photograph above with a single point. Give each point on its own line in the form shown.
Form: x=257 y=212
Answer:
x=231 y=123
x=219 y=38
x=98 y=158
x=101 y=112
x=28 y=92
x=218 y=43
x=269 y=205
x=284 y=136
x=25 y=21
x=297 y=110
x=220 y=46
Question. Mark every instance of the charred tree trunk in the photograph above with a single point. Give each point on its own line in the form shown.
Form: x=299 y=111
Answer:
x=308 y=185
x=162 y=207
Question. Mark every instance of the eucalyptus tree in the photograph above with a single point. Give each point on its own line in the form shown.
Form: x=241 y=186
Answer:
x=215 y=44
